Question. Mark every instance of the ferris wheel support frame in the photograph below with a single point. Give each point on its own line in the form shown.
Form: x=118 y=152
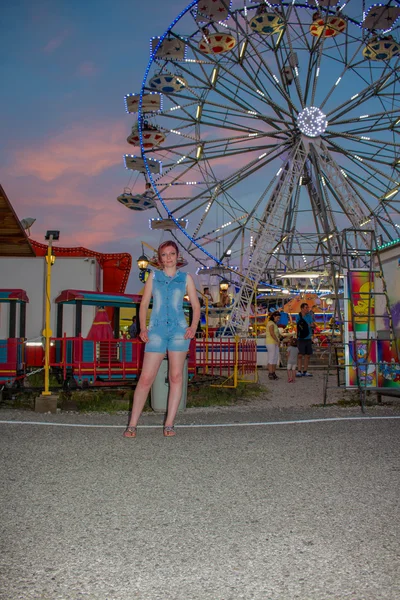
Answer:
x=277 y=211
x=272 y=221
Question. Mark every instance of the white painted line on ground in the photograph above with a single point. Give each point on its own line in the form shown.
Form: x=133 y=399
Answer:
x=204 y=425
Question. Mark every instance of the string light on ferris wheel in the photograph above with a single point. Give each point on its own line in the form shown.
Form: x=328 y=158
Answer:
x=312 y=121
x=204 y=110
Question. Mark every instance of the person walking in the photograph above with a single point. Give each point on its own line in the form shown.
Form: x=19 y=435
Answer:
x=272 y=342
x=305 y=326
x=168 y=331
x=292 y=355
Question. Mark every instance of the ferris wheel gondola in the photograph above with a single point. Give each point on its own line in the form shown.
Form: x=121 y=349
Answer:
x=281 y=129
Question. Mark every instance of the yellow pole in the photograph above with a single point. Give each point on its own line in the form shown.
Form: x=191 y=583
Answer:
x=206 y=301
x=47 y=333
x=255 y=313
x=206 y=338
x=235 y=368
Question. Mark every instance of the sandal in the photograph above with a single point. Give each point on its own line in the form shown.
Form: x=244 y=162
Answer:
x=169 y=431
x=130 y=432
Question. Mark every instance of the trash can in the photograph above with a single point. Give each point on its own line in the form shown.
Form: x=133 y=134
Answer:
x=160 y=388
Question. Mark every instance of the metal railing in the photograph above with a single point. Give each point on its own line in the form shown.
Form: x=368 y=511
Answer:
x=92 y=360
x=234 y=359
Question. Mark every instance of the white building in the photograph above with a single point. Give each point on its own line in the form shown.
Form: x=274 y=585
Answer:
x=29 y=274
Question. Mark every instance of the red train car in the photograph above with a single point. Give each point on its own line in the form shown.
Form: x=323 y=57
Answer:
x=83 y=362
x=12 y=348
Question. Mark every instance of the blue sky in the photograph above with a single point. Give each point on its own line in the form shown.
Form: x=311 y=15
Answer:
x=66 y=66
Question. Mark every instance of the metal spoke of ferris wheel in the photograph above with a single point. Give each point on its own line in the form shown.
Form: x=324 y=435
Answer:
x=348 y=200
x=240 y=175
x=368 y=173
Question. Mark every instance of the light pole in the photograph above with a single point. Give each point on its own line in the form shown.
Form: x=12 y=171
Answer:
x=47 y=333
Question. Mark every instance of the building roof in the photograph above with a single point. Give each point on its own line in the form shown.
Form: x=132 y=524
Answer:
x=116 y=267
x=13 y=238
x=98 y=298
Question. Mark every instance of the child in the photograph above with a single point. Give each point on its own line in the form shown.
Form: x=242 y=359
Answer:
x=293 y=352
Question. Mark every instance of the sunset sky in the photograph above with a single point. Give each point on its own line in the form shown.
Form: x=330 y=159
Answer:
x=66 y=66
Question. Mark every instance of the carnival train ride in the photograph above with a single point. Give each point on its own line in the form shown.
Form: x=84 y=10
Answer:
x=105 y=356
x=102 y=358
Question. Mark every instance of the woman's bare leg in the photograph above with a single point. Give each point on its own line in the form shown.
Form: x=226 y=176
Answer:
x=151 y=364
x=175 y=373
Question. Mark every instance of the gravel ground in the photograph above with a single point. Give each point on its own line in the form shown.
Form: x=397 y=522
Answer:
x=273 y=499
x=305 y=391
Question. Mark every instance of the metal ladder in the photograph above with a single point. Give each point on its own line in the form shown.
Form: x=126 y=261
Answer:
x=357 y=347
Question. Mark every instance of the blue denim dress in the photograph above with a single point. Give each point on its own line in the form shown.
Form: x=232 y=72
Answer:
x=168 y=323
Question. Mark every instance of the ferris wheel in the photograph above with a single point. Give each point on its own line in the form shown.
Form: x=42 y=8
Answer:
x=265 y=129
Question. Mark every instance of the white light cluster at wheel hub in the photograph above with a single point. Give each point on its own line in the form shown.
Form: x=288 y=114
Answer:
x=312 y=121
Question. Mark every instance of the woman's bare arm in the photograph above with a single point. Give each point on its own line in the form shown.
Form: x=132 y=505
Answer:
x=194 y=301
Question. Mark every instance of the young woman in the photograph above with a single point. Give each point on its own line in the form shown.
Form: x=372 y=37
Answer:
x=168 y=331
x=272 y=341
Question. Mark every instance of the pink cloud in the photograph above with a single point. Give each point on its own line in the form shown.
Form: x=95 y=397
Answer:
x=85 y=219
x=87 y=69
x=62 y=183
x=82 y=149
x=100 y=229
x=56 y=42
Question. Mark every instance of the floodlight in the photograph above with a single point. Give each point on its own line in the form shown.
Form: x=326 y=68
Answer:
x=52 y=234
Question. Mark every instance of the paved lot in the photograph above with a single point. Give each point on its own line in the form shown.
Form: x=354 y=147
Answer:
x=277 y=511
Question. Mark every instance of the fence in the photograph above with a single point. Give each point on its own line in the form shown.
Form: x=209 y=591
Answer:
x=235 y=359
x=107 y=362
x=96 y=361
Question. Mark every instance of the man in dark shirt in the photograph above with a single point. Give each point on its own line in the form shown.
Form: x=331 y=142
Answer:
x=304 y=343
